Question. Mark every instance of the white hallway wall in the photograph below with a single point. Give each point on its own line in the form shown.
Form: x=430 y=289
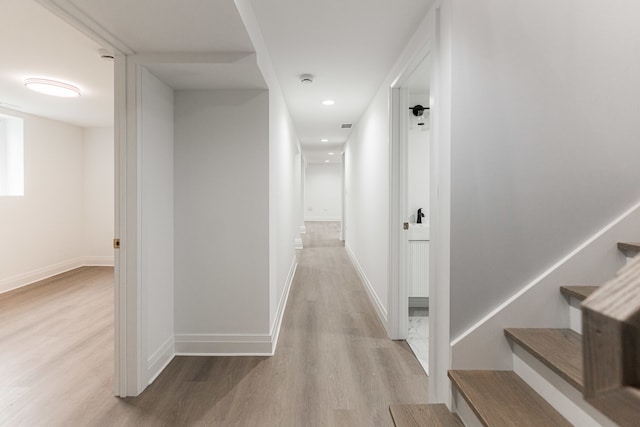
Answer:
x=45 y=229
x=367 y=198
x=323 y=192
x=544 y=142
x=285 y=173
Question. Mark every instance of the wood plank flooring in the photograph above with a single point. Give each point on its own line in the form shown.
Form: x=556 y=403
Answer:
x=424 y=415
x=334 y=365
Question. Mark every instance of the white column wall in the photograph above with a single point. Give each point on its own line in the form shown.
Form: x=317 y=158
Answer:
x=545 y=107
x=221 y=214
x=156 y=217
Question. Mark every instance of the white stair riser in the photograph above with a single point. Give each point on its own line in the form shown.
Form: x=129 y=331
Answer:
x=463 y=410
x=560 y=394
x=575 y=315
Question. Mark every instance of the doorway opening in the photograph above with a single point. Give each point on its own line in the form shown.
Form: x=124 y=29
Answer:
x=417 y=209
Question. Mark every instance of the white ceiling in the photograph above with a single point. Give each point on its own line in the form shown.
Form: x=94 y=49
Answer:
x=349 y=46
x=35 y=43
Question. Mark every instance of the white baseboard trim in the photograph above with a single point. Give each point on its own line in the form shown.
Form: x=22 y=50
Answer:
x=282 y=305
x=303 y=229
x=24 y=279
x=322 y=218
x=223 y=345
x=539 y=303
x=160 y=359
x=239 y=344
x=98 y=261
x=381 y=311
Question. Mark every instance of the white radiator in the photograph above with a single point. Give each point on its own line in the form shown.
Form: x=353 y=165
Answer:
x=419 y=268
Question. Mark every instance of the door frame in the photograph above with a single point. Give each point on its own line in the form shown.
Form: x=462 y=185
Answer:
x=399 y=307
x=434 y=40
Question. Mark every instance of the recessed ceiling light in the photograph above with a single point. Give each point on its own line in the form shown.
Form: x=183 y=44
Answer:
x=328 y=102
x=52 y=87
x=326 y=161
x=324 y=140
x=331 y=154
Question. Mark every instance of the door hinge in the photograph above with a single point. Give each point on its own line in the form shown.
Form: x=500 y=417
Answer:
x=116 y=243
x=405 y=226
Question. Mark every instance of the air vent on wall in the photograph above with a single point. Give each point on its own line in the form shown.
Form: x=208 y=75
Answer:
x=346 y=125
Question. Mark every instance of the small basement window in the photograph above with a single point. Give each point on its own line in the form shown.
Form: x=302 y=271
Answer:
x=11 y=156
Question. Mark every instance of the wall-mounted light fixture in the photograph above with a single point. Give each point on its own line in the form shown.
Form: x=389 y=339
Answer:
x=418 y=111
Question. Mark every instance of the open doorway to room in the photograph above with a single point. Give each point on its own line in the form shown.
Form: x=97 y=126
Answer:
x=417 y=212
x=411 y=207
x=56 y=214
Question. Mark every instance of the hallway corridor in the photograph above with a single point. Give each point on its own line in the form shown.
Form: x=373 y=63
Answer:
x=334 y=366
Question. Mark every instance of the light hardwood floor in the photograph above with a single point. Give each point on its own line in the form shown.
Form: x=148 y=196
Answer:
x=334 y=365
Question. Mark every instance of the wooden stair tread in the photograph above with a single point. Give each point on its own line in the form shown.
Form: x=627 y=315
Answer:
x=578 y=292
x=502 y=398
x=559 y=349
x=436 y=415
x=629 y=248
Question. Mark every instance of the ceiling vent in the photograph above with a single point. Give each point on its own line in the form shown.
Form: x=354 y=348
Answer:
x=346 y=125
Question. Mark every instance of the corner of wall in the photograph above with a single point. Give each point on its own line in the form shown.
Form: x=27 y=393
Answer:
x=160 y=359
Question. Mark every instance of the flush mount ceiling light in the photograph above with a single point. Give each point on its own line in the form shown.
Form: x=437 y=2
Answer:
x=331 y=154
x=324 y=140
x=326 y=161
x=52 y=87
x=328 y=102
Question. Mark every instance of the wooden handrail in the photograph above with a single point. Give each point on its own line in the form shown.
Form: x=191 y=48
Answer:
x=611 y=344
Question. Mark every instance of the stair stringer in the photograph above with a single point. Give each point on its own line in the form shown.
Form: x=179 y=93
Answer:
x=539 y=303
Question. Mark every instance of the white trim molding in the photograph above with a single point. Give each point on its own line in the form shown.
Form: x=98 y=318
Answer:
x=25 y=279
x=282 y=305
x=98 y=261
x=223 y=345
x=160 y=359
x=238 y=344
x=381 y=311
x=322 y=219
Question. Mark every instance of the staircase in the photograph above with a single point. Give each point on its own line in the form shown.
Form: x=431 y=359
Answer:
x=547 y=383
